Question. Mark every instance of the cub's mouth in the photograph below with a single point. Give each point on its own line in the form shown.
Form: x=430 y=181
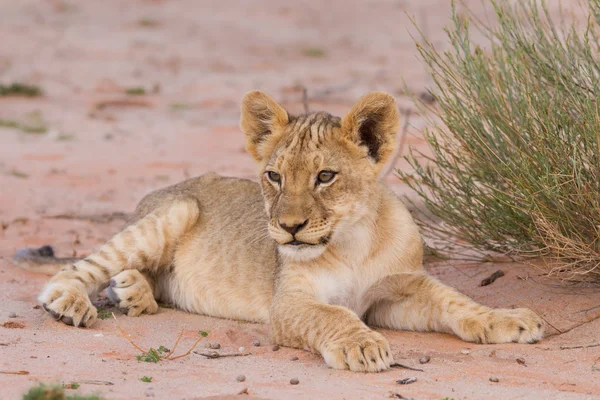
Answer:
x=295 y=242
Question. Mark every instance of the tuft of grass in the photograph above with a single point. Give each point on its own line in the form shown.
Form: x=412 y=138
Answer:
x=73 y=385
x=148 y=22
x=26 y=127
x=515 y=139
x=178 y=106
x=136 y=91
x=64 y=137
x=104 y=313
x=53 y=392
x=20 y=89
x=146 y=379
x=19 y=174
x=315 y=52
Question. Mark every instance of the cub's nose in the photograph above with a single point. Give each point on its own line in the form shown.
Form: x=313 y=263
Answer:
x=292 y=228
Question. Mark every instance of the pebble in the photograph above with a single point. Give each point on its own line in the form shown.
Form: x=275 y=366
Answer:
x=494 y=379
x=294 y=359
x=214 y=346
x=465 y=352
x=424 y=359
x=294 y=381
x=241 y=349
x=521 y=360
x=240 y=378
x=256 y=342
x=275 y=348
x=12 y=315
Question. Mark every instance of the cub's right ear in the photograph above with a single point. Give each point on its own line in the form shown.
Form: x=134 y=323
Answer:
x=263 y=121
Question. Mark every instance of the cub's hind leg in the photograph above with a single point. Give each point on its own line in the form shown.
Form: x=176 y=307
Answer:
x=147 y=244
x=132 y=292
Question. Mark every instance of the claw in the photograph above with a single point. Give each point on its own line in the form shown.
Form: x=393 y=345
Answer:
x=52 y=313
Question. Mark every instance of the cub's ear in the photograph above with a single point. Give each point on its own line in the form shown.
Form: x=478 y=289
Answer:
x=262 y=121
x=372 y=123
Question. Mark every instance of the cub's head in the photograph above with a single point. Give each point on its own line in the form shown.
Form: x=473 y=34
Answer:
x=318 y=172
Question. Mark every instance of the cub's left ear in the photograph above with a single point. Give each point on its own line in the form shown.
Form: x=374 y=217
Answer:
x=372 y=123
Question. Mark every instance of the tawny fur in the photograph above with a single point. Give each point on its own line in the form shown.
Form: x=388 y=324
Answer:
x=222 y=246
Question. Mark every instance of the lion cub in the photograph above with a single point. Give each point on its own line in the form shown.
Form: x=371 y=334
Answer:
x=318 y=248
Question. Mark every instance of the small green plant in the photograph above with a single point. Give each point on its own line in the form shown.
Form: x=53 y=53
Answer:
x=73 y=385
x=64 y=137
x=136 y=91
x=151 y=355
x=154 y=355
x=148 y=22
x=146 y=379
x=53 y=392
x=178 y=106
x=16 y=173
x=26 y=126
x=20 y=89
x=515 y=143
x=104 y=313
x=315 y=52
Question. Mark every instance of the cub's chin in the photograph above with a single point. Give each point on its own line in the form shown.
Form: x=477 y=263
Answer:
x=301 y=253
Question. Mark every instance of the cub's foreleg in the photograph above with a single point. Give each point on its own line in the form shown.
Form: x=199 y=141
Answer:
x=147 y=244
x=421 y=303
x=299 y=320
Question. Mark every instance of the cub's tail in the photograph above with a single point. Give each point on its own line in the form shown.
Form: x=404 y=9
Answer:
x=42 y=260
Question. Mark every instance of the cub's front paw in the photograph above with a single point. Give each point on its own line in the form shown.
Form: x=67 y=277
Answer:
x=130 y=291
x=366 y=351
x=520 y=325
x=69 y=304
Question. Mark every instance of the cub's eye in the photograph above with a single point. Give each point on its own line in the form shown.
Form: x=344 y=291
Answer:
x=326 y=176
x=274 y=176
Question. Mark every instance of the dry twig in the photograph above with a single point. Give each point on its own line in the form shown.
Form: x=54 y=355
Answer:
x=583 y=346
x=492 y=278
x=305 y=99
x=398 y=365
x=175 y=345
x=126 y=336
x=96 y=382
x=169 y=355
x=214 y=354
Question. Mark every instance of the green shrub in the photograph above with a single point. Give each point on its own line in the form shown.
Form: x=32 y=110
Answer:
x=515 y=139
x=53 y=392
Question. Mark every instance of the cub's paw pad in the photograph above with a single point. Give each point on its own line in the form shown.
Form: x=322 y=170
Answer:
x=366 y=352
x=520 y=325
x=131 y=293
x=68 y=304
x=524 y=325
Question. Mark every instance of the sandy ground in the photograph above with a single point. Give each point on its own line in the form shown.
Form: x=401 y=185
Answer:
x=104 y=149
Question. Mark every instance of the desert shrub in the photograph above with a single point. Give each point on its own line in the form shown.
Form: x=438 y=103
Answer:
x=515 y=138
